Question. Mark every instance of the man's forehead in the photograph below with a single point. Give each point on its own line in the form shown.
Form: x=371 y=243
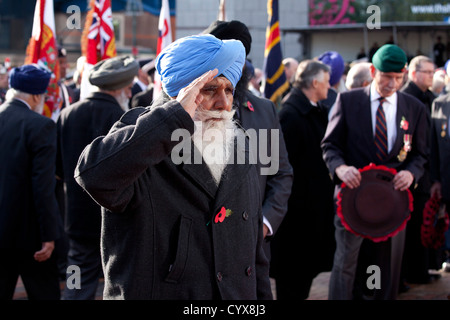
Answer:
x=392 y=74
x=220 y=80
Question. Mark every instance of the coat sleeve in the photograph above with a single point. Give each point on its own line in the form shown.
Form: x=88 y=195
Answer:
x=43 y=147
x=278 y=185
x=421 y=153
x=333 y=143
x=109 y=166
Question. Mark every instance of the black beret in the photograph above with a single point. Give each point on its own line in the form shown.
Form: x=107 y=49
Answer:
x=226 y=30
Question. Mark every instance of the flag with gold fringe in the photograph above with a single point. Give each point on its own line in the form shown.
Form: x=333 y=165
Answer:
x=275 y=82
x=42 y=50
x=98 y=39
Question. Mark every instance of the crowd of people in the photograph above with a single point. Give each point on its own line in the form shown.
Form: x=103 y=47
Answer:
x=106 y=185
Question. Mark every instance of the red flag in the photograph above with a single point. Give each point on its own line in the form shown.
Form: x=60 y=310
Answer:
x=164 y=39
x=42 y=50
x=98 y=40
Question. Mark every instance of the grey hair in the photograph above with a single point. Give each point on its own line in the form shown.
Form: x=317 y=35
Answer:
x=13 y=93
x=358 y=74
x=416 y=64
x=308 y=71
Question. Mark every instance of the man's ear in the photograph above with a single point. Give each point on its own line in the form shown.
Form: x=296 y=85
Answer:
x=36 y=98
x=372 y=71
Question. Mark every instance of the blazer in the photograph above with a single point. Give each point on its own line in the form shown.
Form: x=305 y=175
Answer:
x=275 y=188
x=29 y=213
x=77 y=126
x=440 y=144
x=349 y=137
x=160 y=238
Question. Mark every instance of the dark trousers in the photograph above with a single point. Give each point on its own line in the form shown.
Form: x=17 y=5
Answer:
x=416 y=256
x=387 y=256
x=84 y=253
x=40 y=279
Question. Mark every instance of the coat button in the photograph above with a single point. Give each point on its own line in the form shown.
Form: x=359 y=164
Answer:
x=248 y=271
x=219 y=276
x=245 y=215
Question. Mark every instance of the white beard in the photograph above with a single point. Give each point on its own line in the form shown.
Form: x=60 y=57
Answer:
x=123 y=100
x=216 y=139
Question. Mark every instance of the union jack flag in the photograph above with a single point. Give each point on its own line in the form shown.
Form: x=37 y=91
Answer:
x=98 y=41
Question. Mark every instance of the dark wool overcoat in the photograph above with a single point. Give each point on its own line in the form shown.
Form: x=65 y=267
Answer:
x=160 y=236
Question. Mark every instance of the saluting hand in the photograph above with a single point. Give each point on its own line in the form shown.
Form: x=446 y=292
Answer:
x=189 y=97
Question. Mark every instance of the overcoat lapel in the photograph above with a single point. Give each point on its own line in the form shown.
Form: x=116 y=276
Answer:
x=365 y=121
x=234 y=172
x=402 y=111
x=198 y=170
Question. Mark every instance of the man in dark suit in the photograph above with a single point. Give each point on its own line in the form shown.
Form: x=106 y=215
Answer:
x=78 y=125
x=303 y=118
x=145 y=98
x=440 y=159
x=29 y=217
x=258 y=115
x=349 y=144
x=416 y=261
x=182 y=219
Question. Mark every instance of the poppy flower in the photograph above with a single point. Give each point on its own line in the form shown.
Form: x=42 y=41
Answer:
x=221 y=215
x=404 y=124
x=250 y=106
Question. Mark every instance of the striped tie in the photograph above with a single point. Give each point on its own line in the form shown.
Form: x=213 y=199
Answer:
x=381 y=132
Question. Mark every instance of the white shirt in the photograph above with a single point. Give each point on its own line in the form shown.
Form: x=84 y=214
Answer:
x=390 y=111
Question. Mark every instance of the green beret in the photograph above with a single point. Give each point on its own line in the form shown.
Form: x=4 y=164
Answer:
x=114 y=73
x=389 y=58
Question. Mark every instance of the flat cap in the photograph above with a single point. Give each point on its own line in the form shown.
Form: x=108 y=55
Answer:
x=389 y=58
x=30 y=78
x=229 y=30
x=114 y=73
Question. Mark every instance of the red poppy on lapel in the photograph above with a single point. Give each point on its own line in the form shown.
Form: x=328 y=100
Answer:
x=250 y=106
x=404 y=124
x=223 y=213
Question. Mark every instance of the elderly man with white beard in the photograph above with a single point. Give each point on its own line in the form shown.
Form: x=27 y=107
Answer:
x=174 y=226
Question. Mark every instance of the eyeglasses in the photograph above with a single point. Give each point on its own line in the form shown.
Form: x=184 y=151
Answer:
x=429 y=72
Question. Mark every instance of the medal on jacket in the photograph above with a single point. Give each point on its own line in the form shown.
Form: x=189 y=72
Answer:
x=444 y=130
x=406 y=147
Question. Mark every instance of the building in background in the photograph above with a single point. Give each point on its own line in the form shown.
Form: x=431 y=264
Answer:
x=308 y=27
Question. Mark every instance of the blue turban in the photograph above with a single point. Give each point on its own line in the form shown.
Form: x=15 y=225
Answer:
x=29 y=78
x=188 y=58
x=336 y=63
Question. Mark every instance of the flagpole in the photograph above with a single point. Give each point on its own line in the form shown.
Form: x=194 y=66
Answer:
x=164 y=39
